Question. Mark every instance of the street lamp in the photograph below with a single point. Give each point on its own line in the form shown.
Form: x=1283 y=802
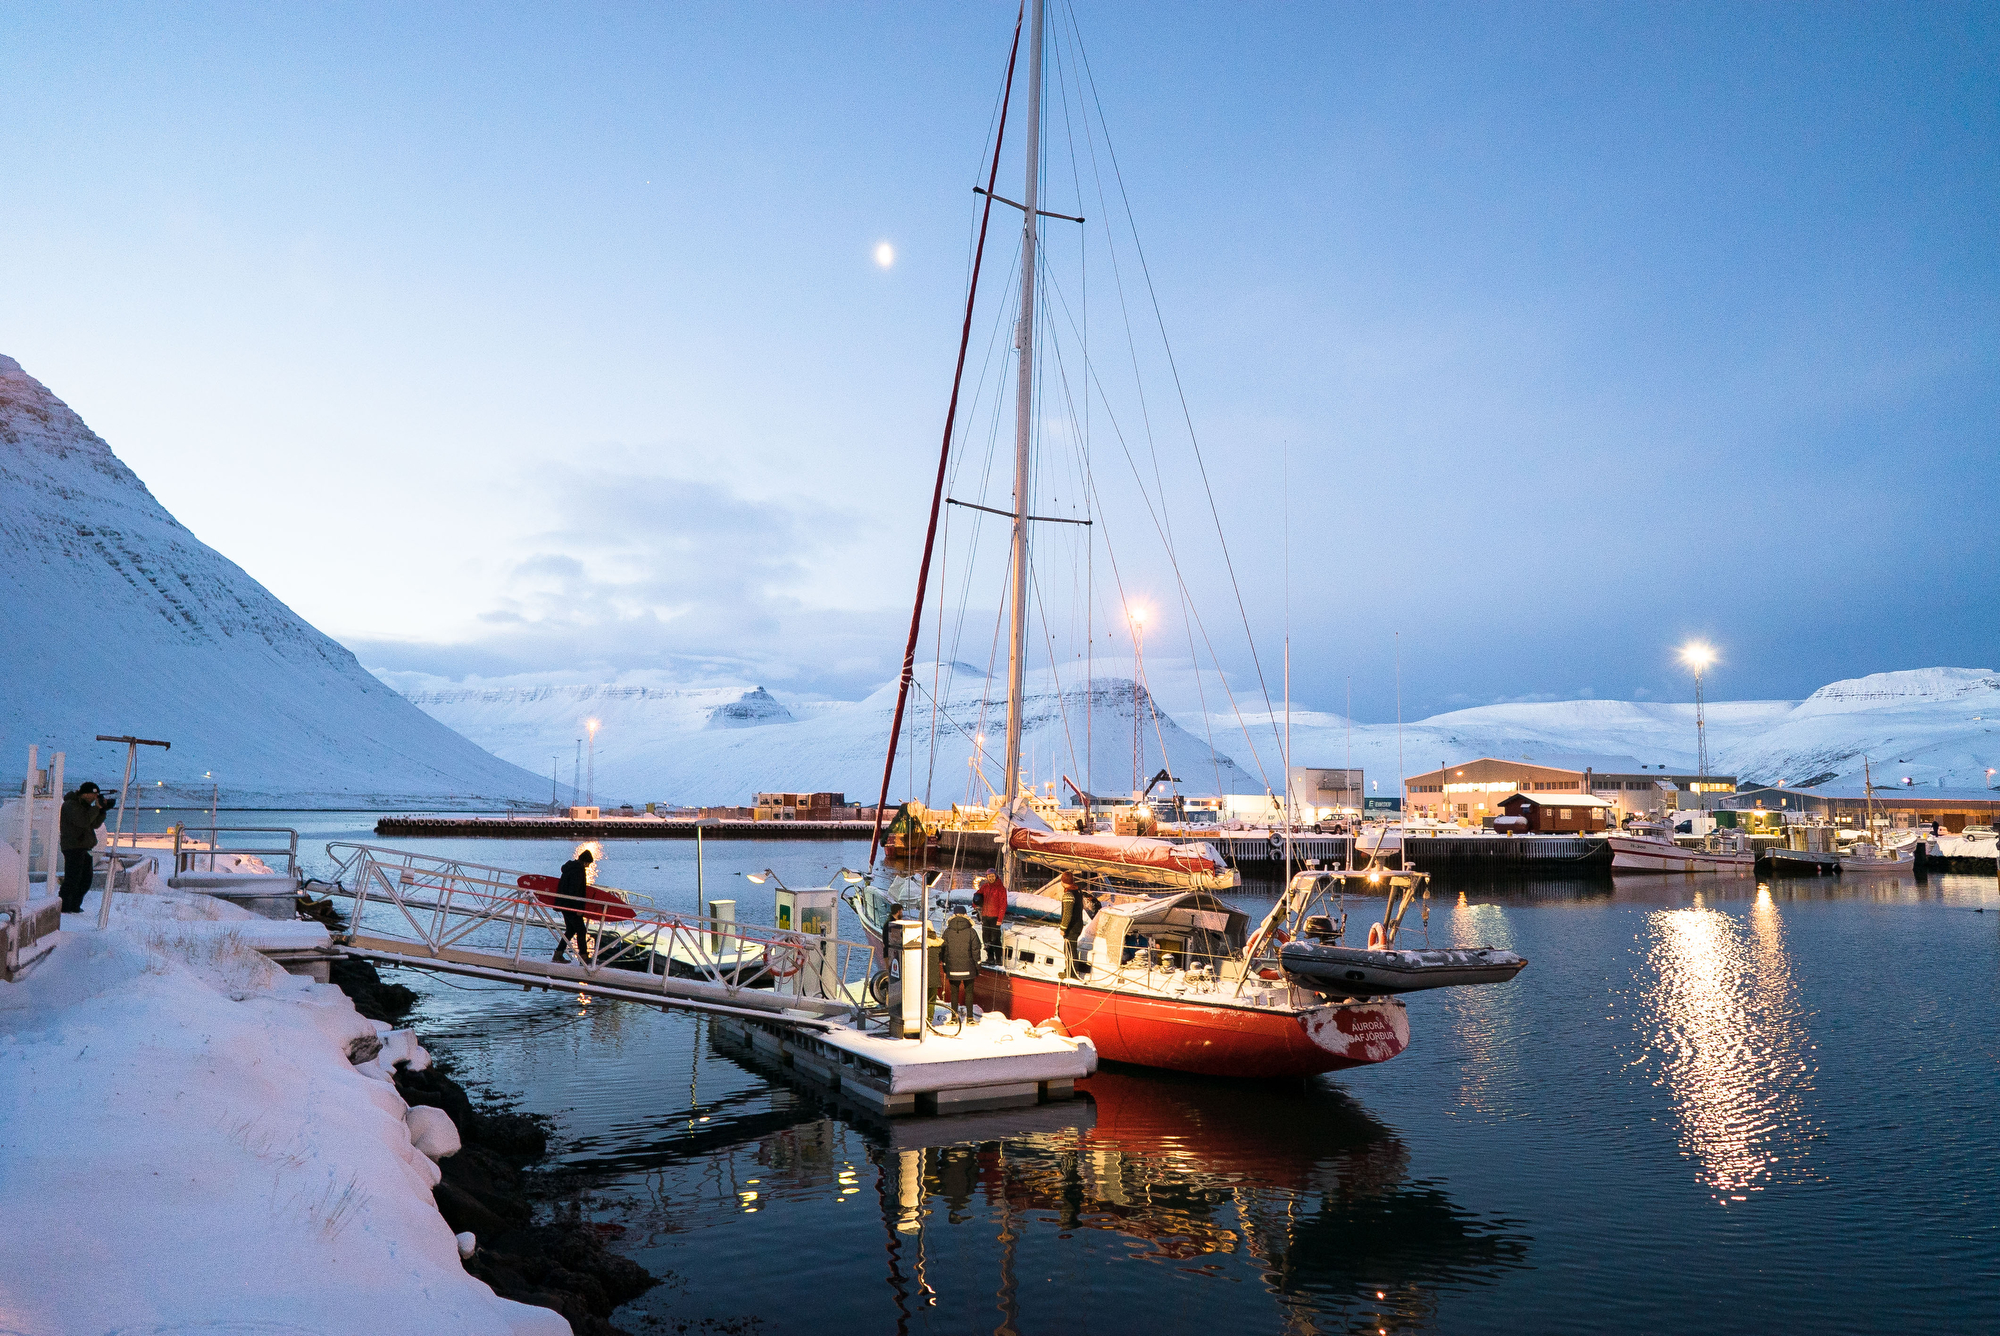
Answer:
x=1698 y=656
x=1136 y=614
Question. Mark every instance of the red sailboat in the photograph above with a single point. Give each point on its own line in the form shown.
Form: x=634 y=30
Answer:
x=1170 y=975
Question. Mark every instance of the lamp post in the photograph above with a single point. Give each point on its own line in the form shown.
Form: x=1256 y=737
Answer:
x=1137 y=616
x=1698 y=656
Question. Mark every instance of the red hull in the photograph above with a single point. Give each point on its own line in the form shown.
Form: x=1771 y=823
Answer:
x=1209 y=1040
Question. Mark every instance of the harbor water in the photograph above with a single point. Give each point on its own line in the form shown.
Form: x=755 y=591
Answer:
x=1708 y=1104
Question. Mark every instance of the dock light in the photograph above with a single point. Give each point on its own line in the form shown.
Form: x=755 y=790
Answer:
x=851 y=877
x=1697 y=655
x=758 y=877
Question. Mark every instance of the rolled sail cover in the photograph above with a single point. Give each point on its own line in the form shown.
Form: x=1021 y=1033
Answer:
x=1138 y=858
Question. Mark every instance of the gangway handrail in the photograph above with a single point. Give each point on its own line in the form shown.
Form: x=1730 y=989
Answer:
x=439 y=904
x=184 y=849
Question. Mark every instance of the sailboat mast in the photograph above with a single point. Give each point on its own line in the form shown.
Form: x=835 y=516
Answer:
x=1024 y=418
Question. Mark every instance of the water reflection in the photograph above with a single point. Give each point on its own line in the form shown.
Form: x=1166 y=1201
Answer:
x=1728 y=1041
x=1303 y=1189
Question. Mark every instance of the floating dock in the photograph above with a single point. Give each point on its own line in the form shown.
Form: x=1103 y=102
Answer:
x=995 y=1063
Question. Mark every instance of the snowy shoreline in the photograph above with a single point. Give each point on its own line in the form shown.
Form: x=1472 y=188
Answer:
x=193 y=1137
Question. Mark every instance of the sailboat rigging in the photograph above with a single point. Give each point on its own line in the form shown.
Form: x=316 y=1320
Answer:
x=1164 y=972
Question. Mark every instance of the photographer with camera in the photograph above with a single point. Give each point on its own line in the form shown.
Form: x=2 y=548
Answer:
x=82 y=813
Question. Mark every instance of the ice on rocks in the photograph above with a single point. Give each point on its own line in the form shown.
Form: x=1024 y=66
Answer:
x=433 y=1132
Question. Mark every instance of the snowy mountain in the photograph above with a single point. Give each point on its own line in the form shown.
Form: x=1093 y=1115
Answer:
x=721 y=745
x=119 y=621
x=1931 y=725
x=679 y=745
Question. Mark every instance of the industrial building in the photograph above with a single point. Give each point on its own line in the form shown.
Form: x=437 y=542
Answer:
x=1470 y=793
x=1323 y=795
x=1845 y=802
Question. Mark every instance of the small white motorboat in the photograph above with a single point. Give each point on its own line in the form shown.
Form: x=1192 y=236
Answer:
x=1866 y=857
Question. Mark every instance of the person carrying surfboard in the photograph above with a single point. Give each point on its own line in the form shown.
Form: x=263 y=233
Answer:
x=572 y=893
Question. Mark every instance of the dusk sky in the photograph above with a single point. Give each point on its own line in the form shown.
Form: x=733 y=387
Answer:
x=554 y=339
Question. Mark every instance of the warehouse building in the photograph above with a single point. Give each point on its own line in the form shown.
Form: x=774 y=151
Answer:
x=1470 y=793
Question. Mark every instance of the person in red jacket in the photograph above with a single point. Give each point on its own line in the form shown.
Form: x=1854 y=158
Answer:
x=991 y=897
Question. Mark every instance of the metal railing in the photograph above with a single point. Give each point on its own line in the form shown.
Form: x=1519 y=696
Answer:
x=188 y=855
x=438 y=905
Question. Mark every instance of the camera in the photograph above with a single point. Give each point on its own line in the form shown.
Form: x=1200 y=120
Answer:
x=107 y=800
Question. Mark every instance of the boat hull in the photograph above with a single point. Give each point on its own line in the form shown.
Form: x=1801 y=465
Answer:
x=1209 y=1040
x=1905 y=861
x=1630 y=855
x=1355 y=971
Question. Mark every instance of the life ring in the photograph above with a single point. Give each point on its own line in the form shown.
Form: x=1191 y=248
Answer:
x=1281 y=936
x=1377 y=939
x=785 y=959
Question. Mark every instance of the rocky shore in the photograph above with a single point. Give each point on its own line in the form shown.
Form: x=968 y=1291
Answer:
x=491 y=1185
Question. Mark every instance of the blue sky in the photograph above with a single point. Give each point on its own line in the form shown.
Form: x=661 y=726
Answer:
x=550 y=338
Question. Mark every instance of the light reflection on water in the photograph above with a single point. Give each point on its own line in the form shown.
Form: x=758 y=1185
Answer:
x=1728 y=1041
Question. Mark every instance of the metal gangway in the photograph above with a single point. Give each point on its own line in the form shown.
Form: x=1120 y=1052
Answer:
x=468 y=919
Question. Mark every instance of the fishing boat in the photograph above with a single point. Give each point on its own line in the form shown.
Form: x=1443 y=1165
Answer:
x=1728 y=853
x=1873 y=854
x=1865 y=857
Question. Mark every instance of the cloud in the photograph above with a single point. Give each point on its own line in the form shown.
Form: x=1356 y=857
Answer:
x=684 y=578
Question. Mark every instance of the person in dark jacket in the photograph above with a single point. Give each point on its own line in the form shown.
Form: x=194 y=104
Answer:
x=82 y=813
x=991 y=896
x=572 y=893
x=961 y=963
x=1072 y=923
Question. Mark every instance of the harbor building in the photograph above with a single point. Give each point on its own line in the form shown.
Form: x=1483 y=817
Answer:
x=1845 y=802
x=1470 y=793
x=1560 y=813
x=1319 y=794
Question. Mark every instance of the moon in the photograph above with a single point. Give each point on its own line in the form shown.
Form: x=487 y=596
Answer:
x=885 y=255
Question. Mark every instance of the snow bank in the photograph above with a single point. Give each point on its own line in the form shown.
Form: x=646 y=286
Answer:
x=185 y=1145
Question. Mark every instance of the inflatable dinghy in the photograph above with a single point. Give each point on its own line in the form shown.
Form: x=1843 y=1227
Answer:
x=1350 y=971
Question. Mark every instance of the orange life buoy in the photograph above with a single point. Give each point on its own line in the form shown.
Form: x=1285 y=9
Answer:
x=1377 y=939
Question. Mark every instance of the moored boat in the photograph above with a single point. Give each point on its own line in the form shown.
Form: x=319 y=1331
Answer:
x=1647 y=853
x=1331 y=966
x=1181 y=981
x=1866 y=858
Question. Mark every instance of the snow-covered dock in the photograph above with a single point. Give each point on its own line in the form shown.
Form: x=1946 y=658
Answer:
x=991 y=1062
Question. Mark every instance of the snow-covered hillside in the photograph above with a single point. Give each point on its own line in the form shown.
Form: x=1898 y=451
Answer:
x=681 y=745
x=721 y=745
x=1931 y=725
x=117 y=620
